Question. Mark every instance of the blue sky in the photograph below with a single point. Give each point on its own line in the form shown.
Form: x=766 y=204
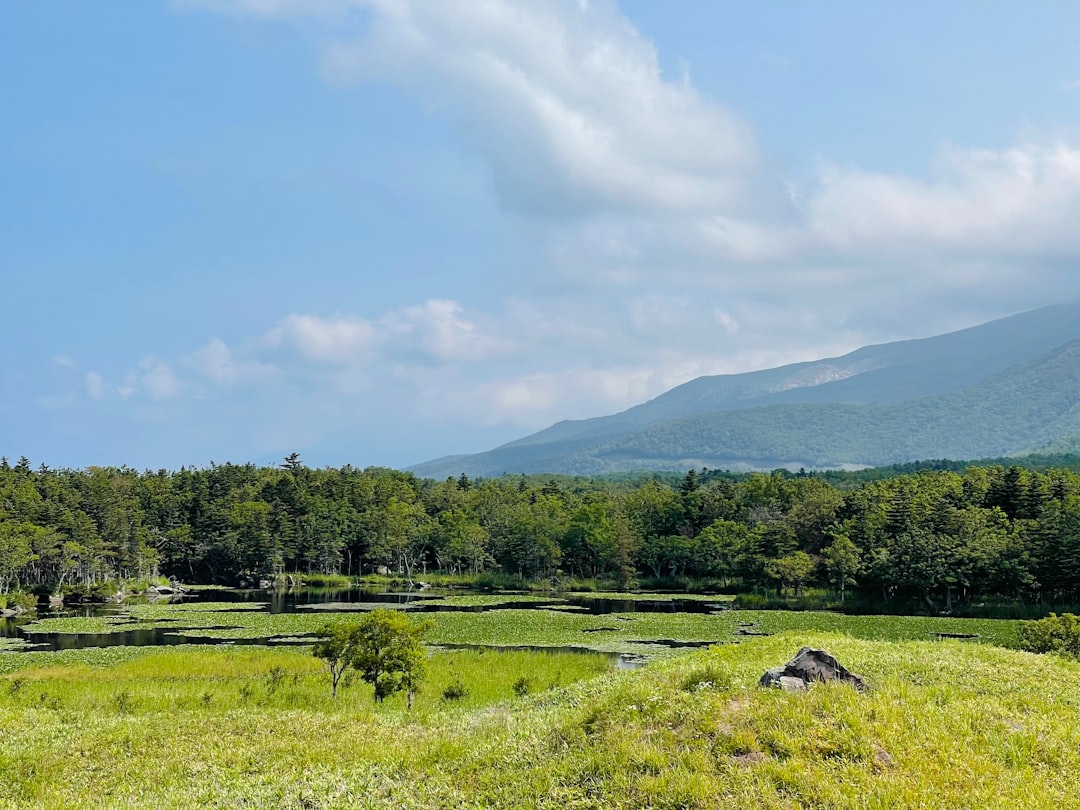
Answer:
x=381 y=231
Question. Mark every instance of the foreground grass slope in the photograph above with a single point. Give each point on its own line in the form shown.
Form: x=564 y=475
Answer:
x=947 y=725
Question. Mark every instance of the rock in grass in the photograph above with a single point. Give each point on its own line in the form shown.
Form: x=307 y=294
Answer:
x=809 y=666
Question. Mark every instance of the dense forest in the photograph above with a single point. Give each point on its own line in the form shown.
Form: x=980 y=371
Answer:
x=940 y=536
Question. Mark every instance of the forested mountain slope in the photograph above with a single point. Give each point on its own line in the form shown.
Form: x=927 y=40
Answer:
x=961 y=395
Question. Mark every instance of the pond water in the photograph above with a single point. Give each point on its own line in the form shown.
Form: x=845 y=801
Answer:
x=330 y=600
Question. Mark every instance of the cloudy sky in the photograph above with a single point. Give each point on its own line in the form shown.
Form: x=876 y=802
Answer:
x=381 y=231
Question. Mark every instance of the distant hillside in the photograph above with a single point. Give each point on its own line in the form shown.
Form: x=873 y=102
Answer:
x=1005 y=387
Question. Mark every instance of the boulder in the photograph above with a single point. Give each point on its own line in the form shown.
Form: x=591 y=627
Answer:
x=809 y=666
x=382 y=570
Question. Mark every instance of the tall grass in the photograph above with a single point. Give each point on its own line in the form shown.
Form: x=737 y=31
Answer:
x=336 y=581
x=945 y=725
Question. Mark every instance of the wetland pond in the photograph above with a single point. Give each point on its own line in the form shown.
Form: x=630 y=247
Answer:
x=141 y=621
x=628 y=627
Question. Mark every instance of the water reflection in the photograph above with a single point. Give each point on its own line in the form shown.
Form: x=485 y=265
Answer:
x=328 y=599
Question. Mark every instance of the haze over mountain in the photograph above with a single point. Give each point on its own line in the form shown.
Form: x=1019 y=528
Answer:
x=1008 y=386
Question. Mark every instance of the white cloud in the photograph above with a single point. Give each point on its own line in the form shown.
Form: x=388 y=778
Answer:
x=632 y=177
x=152 y=377
x=339 y=339
x=1023 y=200
x=727 y=323
x=437 y=330
x=216 y=362
x=574 y=88
x=440 y=330
x=95 y=385
x=565 y=100
x=157 y=379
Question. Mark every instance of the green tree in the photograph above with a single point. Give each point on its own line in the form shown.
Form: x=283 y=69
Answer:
x=791 y=570
x=15 y=551
x=337 y=647
x=389 y=652
x=723 y=549
x=841 y=559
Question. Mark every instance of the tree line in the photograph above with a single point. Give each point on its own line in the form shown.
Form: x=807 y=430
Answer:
x=937 y=536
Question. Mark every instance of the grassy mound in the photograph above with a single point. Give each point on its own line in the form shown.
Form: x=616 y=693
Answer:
x=946 y=725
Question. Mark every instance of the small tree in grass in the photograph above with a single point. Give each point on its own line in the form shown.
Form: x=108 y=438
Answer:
x=336 y=647
x=384 y=646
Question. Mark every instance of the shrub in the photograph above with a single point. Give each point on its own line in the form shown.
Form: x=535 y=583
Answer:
x=750 y=601
x=123 y=702
x=710 y=676
x=18 y=599
x=273 y=679
x=1058 y=634
x=455 y=691
x=522 y=686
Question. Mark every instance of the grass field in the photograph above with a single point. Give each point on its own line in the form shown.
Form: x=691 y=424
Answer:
x=946 y=724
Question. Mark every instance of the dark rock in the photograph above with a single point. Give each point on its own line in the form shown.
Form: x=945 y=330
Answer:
x=809 y=666
x=883 y=758
x=751 y=758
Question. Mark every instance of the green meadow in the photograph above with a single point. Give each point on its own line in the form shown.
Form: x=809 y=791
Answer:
x=946 y=724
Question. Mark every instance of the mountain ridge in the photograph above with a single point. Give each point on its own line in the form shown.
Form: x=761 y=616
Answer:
x=919 y=374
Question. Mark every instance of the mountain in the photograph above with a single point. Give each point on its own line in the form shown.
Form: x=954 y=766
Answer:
x=1004 y=387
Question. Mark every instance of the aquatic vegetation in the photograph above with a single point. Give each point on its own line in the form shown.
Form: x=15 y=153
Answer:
x=91 y=625
x=170 y=609
x=337 y=607
x=555 y=627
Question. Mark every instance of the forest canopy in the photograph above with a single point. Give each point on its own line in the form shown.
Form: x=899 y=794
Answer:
x=934 y=535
